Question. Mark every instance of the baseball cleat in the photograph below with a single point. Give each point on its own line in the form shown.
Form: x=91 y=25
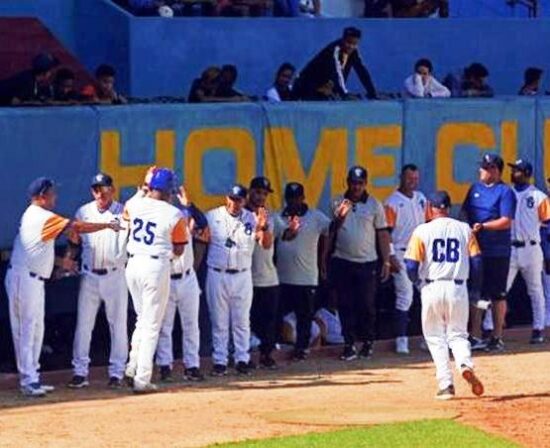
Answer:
x=267 y=362
x=78 y=382
x=367 y=350
x=495 y=345
x=166 y=374
x=469 y=375
x=349 y=353
x=219 y=370
x=537 y=337
x=477 y=344
x=33 y=390
x=242 y=368
x=47 y=388
x=148 y=388
x=446 y=394
x=193 y=374
x=299 y=355
x=402 y=345
x=115 y=383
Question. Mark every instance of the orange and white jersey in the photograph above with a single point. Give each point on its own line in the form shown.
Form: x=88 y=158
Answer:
x=33 y=248
x=155 y=226
x=403 y=215
x=443 y=248
x=533 y=208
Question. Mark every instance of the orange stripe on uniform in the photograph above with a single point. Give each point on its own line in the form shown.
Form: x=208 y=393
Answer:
x=544 y=210
x=416 y=250
x=179 y=234
x=125 y=214
x=473 y=246
x=53 y=227
x=391 y=216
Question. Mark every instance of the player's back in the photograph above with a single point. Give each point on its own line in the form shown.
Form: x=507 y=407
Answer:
x=443 y=248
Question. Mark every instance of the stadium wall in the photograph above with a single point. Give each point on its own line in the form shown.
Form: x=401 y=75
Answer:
x=212 y=146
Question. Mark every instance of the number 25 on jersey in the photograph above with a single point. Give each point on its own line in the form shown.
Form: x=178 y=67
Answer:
x=143 y=231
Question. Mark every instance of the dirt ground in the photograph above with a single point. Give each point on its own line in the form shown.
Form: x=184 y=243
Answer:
x=318 y=395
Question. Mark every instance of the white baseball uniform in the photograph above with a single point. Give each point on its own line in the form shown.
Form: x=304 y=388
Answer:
x=443 y=248
x=103 y=280
x=403 y=215
x=155 y=226
x=185 y=296
x=229 y=281
x=31 y=263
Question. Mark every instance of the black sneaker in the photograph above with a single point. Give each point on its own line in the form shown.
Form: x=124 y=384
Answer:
x=537 y=337
x=446 y=394
x=495 y=345
x=193 y=374
x=299 y=355
x=242 y=368
x=349 y=353
x=477 y=344
x=367 y=350
x=129 y=380
x=166 y=374
x=78 y=382
x=219 y=370
x=267 y=362
x=115 y=383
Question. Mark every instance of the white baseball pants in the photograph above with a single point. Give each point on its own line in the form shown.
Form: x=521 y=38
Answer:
x=403 y=286
x=229 y=298
x=149 y=284
x=112 y=291
x=185 y=296
x=26 y=297
x=445 y=310
x=546 y=286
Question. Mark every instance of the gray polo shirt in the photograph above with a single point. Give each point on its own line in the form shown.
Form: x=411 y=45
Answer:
x=264 y=273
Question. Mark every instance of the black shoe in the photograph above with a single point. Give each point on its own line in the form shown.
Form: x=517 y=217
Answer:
x=537 y=337
x=367 y=350
x=299 y=355
x=219 y=370
x=349 y=353
x=267 y=362
x=242 y=368
x=252 y=365
x=477 y=344
x=78 y=382
x=166 y=374
x=193 y=374
x=115 y=383
x=446 y=394
x=495 y=345
x=129 y=381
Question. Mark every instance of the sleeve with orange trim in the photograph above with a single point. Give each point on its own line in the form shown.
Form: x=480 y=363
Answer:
x=544 y=210
x=53 y=227
x=179 y=232
x=125 y=214
x=473 y=246
x=416 y=253
x=391 y=216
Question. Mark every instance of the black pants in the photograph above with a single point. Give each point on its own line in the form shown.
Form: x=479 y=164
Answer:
x=264 y=315
x=301 y=300
x=356 y=288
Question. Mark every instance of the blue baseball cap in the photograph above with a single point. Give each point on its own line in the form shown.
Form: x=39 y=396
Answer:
x=491 y=159
x=237 y=191
x=102 y=180
x=357 y=174
x=163 y=180
x=40 y=186
x=522 y=165
x=294 y=190
x=439 y=199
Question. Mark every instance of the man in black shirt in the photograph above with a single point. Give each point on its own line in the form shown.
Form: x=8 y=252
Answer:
x=324 y=77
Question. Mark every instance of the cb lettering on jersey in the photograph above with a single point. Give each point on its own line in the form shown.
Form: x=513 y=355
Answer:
x=445 y=250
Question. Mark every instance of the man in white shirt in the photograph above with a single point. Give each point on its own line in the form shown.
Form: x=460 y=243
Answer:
x=31 y=264
x=422 y=83
x=103 y=260
x=359 y=224
x=234 y=231
x=302 y=233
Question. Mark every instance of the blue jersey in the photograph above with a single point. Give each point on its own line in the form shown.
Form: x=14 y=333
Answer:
x=485 y=203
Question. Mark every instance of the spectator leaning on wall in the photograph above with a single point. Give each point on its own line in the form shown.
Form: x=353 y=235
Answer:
x=472 y=82
x=531 y=84
x=103 y=92
x=422 y=84
x=324 y=77
x=63 y=87
x=282 y=87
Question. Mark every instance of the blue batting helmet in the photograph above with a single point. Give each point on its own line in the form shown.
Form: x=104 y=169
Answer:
x=163 y=180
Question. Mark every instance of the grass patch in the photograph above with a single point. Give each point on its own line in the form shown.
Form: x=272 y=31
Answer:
x=421 y=434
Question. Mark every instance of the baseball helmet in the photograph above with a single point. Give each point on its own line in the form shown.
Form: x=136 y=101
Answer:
x=163 y=180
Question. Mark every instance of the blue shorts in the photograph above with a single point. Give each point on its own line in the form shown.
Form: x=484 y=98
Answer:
x=495 y=277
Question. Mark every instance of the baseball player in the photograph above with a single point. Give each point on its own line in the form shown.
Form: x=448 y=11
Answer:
x=158 y=233
x=103 y=259
x=359 y=224
x=265 y=302
x=31 y=264
x=234 y=231
x=405 y=211
x=185 y=296
x=545 y=243
x=303 y=234
x=442 y=254
x=489 y=208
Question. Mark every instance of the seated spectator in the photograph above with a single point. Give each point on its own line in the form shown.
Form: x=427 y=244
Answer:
x=419 y=8
x=471 y=83
x=377 y=9
x=240 y=8
x=33 y=86
x=310 y=8
x=282 y=88
x=531 y=84
x=203 y=89
x=63 y=87
x=145 y=7
x=103 y=92
x=226 y=85
x=422 y=84
x=324 y=77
